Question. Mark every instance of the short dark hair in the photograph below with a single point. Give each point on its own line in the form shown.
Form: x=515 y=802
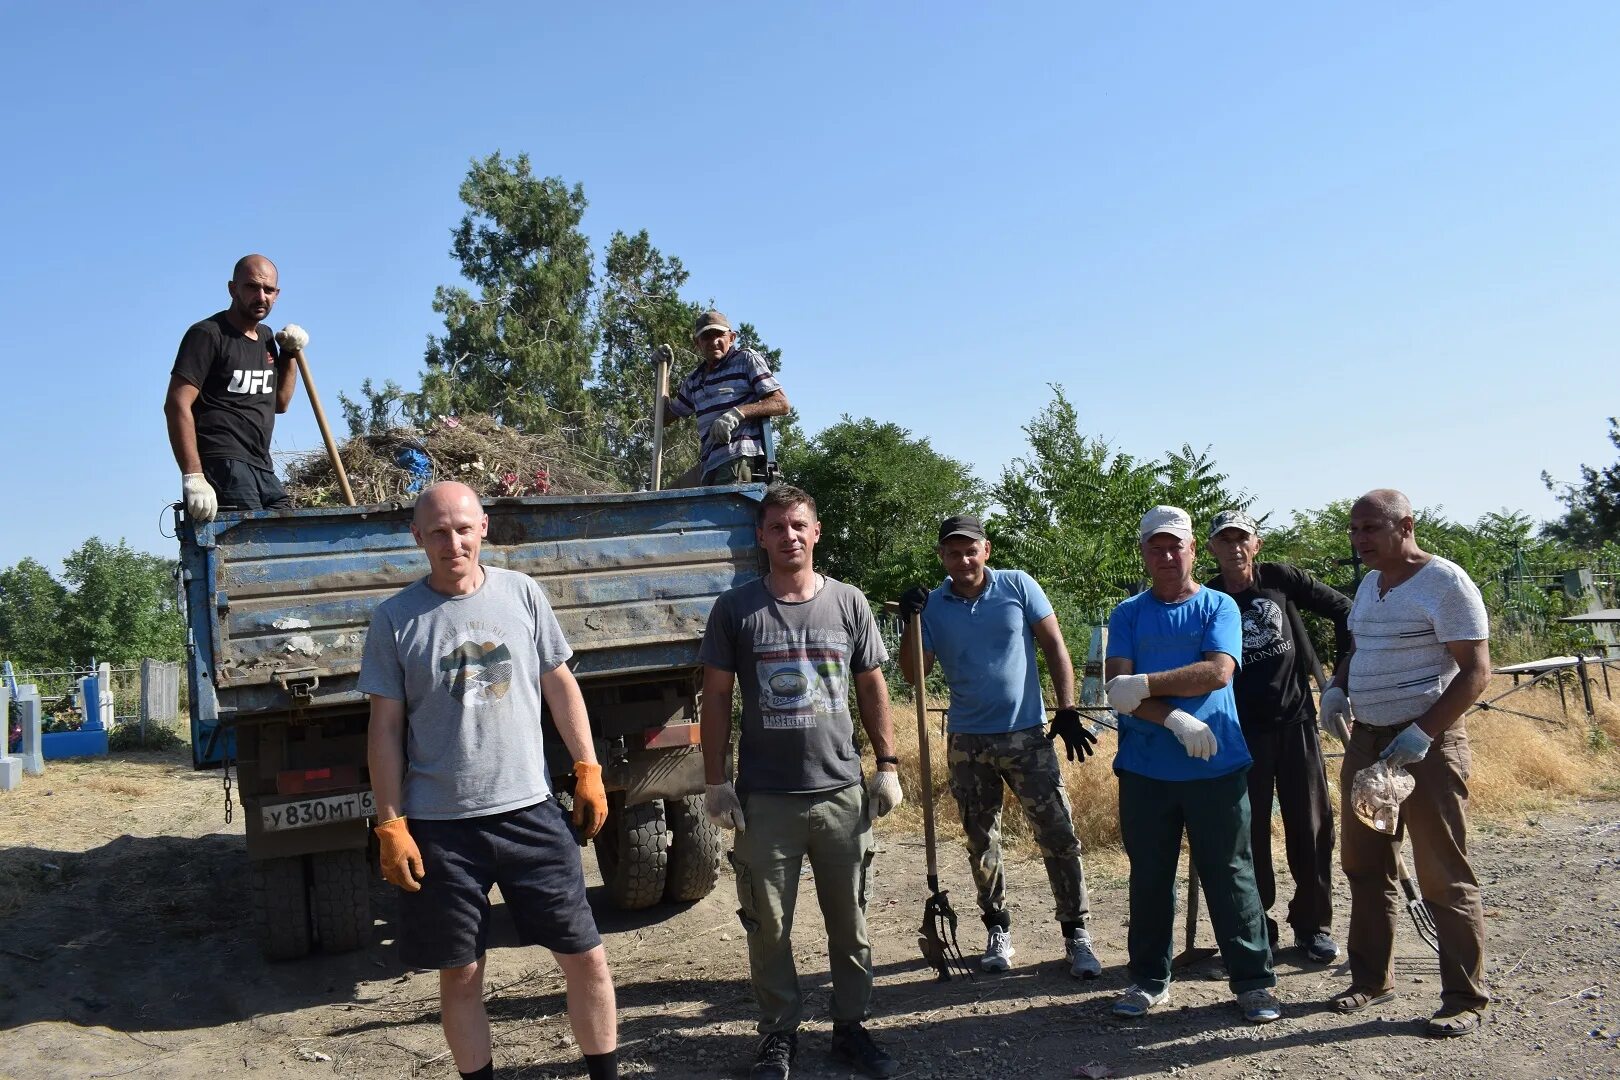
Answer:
x=785 y=496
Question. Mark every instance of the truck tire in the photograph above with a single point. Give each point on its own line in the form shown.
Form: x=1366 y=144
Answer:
x=280 y=906
x=340 y=889
x=632 y=851
x=695 y=848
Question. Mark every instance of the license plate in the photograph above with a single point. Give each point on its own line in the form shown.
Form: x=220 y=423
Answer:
x=304 y=813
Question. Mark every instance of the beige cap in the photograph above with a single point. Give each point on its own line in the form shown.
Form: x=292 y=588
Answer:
x=1166 y=519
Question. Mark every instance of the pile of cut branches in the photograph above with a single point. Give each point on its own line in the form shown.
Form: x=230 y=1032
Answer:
x=494 y=460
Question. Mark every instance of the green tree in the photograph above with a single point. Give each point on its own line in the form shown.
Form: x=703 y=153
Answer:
x=882 y=493
x=123 y=606
x=31 y=604
x=1070 y=508
x=549 y=338
x=1592 y=506
x=521 y=349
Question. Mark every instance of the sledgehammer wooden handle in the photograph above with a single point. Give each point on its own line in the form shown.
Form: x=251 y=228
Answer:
x=326 y=432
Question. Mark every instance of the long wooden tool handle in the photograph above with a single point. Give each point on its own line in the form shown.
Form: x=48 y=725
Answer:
x=326 y=432
x=1192 y=902
x=925 y=763
x=665 y=355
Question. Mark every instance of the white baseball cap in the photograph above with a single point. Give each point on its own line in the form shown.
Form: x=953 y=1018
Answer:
x=1166 y=519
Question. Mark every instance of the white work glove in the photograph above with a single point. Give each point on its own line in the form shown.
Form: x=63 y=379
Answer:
x=725 y=426
x=292 y=338
x=1193 y=733
x=723 y=806
x=1127 y=692
x=201 y=503
x=1407 y=748
x=1336 y=713
x=883 y=789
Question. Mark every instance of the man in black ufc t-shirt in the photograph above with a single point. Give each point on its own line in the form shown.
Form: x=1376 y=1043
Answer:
x=1278 y=717
x=228 y=382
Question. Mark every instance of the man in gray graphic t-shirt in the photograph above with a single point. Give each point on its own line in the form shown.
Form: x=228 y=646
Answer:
x=457 y=667
x=796 y=642
x=1422 y=658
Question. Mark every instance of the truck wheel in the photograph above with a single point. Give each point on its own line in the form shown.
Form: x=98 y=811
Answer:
x=341 y=899
x=632 y=851
x=280 y=906
x=695 y=848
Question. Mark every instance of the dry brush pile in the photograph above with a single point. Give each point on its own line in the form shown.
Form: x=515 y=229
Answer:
x=494 y=460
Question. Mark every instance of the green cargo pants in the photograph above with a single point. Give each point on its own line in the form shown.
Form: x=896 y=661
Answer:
x=835 y=830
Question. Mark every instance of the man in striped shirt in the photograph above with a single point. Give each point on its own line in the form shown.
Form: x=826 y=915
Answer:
x=730 y=394
x=1422 y=658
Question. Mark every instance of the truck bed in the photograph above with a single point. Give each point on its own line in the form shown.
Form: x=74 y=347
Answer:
x=278 y=603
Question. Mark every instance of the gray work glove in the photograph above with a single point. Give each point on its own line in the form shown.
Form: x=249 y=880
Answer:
x=201 y=503
x=1408 y=748
x=1336 y=713
x=725 y=426
x=723 y=806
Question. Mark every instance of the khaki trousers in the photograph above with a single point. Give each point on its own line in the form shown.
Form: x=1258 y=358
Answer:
x=1434 y=816
x=834 y=831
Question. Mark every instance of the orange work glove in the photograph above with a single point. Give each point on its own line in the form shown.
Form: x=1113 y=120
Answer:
x=590 y=799
x=401 y=858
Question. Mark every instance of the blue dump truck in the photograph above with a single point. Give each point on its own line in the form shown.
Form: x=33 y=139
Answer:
x=277 y=607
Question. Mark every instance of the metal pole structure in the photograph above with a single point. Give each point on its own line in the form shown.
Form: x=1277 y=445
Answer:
x=666 y=357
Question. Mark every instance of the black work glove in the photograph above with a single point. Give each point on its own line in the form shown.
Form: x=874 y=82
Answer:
x=1076 y=739
x=912 y=601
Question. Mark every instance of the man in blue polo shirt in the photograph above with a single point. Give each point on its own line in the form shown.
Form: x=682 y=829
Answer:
x=1183 y=765
x=982 y=626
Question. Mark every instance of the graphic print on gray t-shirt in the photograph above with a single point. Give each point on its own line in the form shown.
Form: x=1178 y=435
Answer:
x=468 y=670
x=793 y=662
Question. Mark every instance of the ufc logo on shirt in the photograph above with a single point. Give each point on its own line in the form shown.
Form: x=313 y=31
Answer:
x=251 y=382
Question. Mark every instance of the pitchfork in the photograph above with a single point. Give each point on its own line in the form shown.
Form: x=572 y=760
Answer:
x=937 y=935
x=1416 y=906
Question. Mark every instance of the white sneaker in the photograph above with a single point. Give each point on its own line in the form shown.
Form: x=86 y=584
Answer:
x=998 y=951
x=1083 y=963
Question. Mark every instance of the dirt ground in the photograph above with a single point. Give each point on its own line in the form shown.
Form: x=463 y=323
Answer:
x=130 y=957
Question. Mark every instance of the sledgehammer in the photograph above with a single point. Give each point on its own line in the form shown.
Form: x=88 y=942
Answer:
x=293 y=338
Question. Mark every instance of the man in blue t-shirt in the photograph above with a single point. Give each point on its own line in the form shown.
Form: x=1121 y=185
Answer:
x=982 y=626
x=1182 y=764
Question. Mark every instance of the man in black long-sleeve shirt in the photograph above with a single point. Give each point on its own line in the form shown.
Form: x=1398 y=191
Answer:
x=1278 y=718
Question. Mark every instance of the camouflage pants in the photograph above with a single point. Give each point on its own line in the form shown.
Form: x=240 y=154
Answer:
x=1026 y=763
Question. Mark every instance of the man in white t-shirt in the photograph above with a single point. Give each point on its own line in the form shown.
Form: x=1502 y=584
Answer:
x=1422 y=658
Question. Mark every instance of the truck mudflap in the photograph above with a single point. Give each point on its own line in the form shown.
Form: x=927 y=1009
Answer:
x=671 y=773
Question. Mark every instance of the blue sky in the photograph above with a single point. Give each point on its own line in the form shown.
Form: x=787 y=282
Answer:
x=1344 y=246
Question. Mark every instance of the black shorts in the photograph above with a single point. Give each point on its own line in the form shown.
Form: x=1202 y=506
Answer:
x=530 y=853
x=242 y=485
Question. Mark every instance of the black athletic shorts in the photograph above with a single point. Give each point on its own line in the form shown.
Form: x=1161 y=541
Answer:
x=530 y=853
x=242 y=485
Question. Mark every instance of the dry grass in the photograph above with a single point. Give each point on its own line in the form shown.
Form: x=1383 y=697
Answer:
x=1519 y=764
x=81 y=804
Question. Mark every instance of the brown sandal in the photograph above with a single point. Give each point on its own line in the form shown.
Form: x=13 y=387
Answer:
x=1358 y=997
x=1449 y=1023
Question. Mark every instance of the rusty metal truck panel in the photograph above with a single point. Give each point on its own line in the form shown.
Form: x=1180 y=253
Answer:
x=279 y=603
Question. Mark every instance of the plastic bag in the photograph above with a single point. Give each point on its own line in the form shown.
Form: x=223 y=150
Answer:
x=1376 y=795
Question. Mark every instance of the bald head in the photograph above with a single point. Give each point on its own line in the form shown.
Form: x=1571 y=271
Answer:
x=249 y=264
x=450 y=524
x=1387 y=503
x=446 y=494
x=253 y=288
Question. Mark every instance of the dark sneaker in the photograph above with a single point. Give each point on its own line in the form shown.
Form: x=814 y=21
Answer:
x=853 y=1046
x=1318 y=948
x=775 y=1057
